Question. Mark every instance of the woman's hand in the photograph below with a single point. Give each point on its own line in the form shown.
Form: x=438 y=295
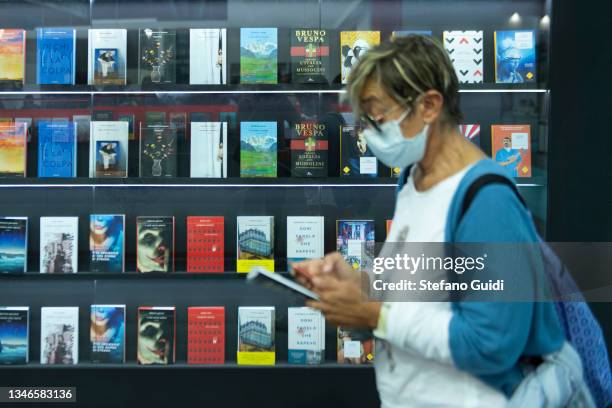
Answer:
x=333 y=264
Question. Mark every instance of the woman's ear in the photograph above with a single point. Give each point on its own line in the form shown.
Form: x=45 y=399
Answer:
x=432 y=103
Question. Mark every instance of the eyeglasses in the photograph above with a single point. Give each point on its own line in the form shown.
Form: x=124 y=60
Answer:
x=366 y=121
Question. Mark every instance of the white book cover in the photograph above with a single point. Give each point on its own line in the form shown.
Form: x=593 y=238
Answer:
x=108 y=149
x=59 y=237
x=306 y=335
x=466 y=49
x=209 y=149
x=14 y=335
x=207 y=56
x=305 y=238
x=107 y=52
x=59 y=335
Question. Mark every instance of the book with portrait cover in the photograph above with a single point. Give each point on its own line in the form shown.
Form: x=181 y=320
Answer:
x=205 y=244
x=155 y=244
x=355 y=242
x=256 y=332
x=13 y=244
x=309 y=148
x=12 y=57
x=471 y=132
x=309 y=56
x=353 y=46
x=106 y=243
x=156 y=56
x=14 y=335
x=355 y=346
x=108 y=149
x=59 y=244
x=13 y=148
x=59 y=335
x=57 y=149
x=515 y=57
x=158 y=150
x=107 y=333
x=466 y=50
x=255 y=243
x=156 y=335
x=206 y=335
x=306 y=336
x=207 y=56
x=258 y=149
x=305 y=239
x=258 y=55
x=107 y=52
x=356 y=159
x=511 y=148
x=55 y=56
x=209 y=149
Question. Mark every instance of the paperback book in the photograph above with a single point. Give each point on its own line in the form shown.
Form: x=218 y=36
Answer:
x=14 y=335
x=306 y=336
x=309 y=149
x=108 y=154
x=156 y=335
x=155 y=244
x=256 y=343
x=55 y=56
x=353 y=46
x=515 y=57
x=466 y=50
x=356 y=159
x=258 y=149
x=57 y=149
x=13 y=244
x=207 y=56
x=205 y=244
x=106 y=243
x=511 y=148
x=158 y=150
x=209 y=149
x=59 y=335
x=471 y=132
x=107 y=333
x=206 y=335
x=157 y=56
x=355 y=346
x=255 y=243
x=59 y=244
x=305 y=239
x=309 y=56
x=13 y=148
x=107 y=52
x=356 y=242
x=12 y=57
x=258 y=55
x=130 y=119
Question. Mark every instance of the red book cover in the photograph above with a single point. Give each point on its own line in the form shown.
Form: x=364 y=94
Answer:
x=206 y=335
x=205 y=244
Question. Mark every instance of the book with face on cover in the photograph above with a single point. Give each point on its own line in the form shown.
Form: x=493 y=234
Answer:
x=356 y=159
x=106 y=243
x=107 y=333
x=155 y=244
x=107 y=52
x=355 y=346
x=12 y=57
x=205 y=244
x=59 y=240
x=511 y=148
x=156 y=335
x=207 y=56
x=13 y=244
x=206 y=335
x=59 y=335
x=256 y=335
x=14 y=335
x=255 y=243
x=353 y=46
x=515 y=57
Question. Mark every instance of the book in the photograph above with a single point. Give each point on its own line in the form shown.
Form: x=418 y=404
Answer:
x=471 y=132
x=209 y=149
x=156 y=335
x=207 y=56
x=59 y=244
x=55 y=56
x=466 y=50
x=130 y=119
x=403 y=33
x=153 y=117
x=231 y=118
x=355 y=242
x=107 y=52
x=511 y=148
x=59 y=335
x=205 y=244
x=309 y=148
x=158 y=150
x=106 y=243
x=156 y=56
x=306 y=335
x=256 y=332
x=57 y=149
x=258 y=149
x=305 y=239
x=107 y=333
x=155 y=244
x=515 y=57
x=356 y=159
x=206 y=335
x=14 y=335
x=255 y=243
x=355 y=346
x=353 y=46
x=103 y=115
x=12 y=57
x=13 y=244
x=13 y=148
x=309 y=56
x=108 y=149
x=258 y=55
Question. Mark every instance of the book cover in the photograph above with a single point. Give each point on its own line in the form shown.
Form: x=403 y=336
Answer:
x=153 y=117
x=258 y=148
x=55 y=56
x=209 y=149
x=59 y=244
x=130 y=119
x=309 y=148
x=107 y=52
x=205 y=244
x=107 y=333
x=258 y=55
x=206 y=335
x=305 y=239
x=13 y=148
x=309 y=56
x=207 y=56
x=13 y=244
x=471 y=132
x=14 y=335
x=466 y=50
x=356 y=159
x=59 y=335
x=256 y=332
x=355 y=346
x=355 y=242
x=157 y=56
x=106 y=243
x=353 y=46
x=156 y=335
x=255 y=243
x=155 y=244
x=158 y=150
x=511 y=148
x=231 y=118
x=103 y=115
x=515 y=57
x=12 y=57
x=306 y=336
x=108 y=154
x=57 y=149
x=403 y=33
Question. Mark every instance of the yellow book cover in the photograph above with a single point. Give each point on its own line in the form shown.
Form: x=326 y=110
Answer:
x=353 y=45
x=255 y=244
x=13 y=149
x=12 y=55
x=256 y=343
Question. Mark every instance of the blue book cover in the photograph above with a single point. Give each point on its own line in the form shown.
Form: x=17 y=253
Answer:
x=258 y=55
x=107 y=333
x=106 y=243
x=14 y=335
x=515 y=57
x=55 y=56
x=56 y=149
x=258 y=145
x=13 y=244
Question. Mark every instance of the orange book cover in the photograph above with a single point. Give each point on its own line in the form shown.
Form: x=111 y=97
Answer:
x=511 y=148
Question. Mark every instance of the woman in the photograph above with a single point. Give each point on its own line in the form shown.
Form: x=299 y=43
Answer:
x=435 y=353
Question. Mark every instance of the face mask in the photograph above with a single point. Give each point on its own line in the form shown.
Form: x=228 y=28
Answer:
x=507 y=149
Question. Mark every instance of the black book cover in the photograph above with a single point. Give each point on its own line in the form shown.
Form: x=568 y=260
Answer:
x=309 y=149
x=309 y=56
x=158 y=151
x=157 y=56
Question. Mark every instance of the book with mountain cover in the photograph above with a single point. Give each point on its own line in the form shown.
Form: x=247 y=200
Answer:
x=258 y=149
x=258 y=55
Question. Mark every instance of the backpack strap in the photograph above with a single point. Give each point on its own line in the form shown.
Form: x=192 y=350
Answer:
x=484 y=180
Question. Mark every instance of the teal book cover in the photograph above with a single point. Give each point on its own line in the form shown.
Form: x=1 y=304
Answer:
x=258 y=55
